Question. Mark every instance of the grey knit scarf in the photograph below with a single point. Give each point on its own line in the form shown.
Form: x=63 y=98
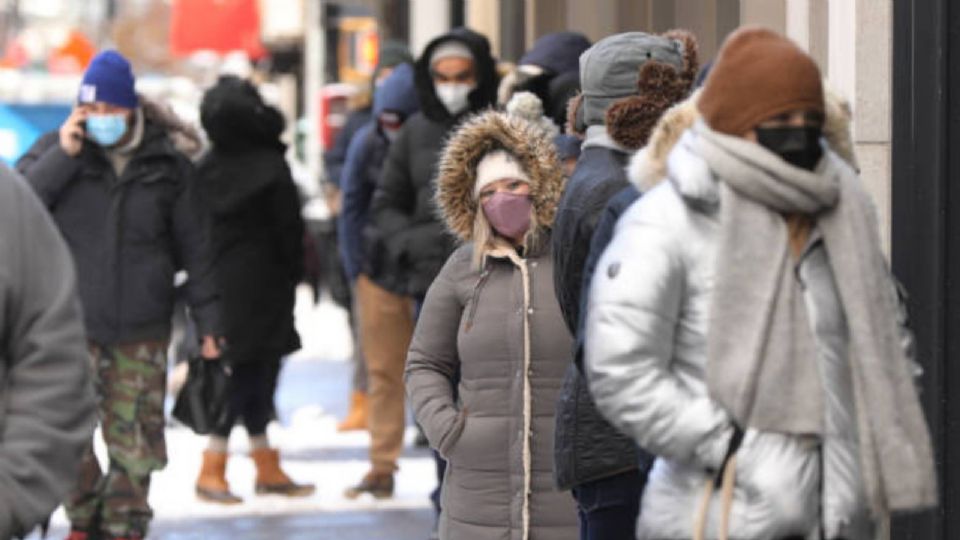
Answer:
x=762 y=360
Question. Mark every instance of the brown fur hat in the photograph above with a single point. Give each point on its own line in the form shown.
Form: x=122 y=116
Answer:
x=478 y=136
x=631 y=120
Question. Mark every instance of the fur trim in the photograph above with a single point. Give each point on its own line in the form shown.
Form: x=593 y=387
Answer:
x=483 y=133
x=649 y=167
x=186 y=137
x=572 y=126
x=631 y=120
x=836 y=128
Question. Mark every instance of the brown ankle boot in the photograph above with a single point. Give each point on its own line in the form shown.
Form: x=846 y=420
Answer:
x=272 y=480
x=378 y=484
x=356 y=418
x=212 y=483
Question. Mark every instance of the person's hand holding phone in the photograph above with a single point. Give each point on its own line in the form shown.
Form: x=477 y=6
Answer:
x=72 y=132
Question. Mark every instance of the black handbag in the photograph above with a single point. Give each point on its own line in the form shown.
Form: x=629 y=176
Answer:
x=203 y=400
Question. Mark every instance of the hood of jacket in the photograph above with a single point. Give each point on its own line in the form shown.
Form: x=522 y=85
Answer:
x=397 y=93
x=478 y=136
x=558 y=52
x=237 y=119
x=483 y=96
x=648 y=167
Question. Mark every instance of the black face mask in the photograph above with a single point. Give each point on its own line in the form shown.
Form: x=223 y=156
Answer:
x=798 y=146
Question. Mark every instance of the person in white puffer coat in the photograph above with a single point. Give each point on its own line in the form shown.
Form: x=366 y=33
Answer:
x=743 y=325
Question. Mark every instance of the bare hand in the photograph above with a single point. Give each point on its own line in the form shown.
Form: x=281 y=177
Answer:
x=72 y=133
x=210 y=349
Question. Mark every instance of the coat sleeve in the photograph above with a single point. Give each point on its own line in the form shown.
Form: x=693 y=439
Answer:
x=433 y=364
x=598 y=243
x=633 y=312
x=48 y=168
x=288 y=223
x=47 y=395
x=395 y=196
x=194 y=254
x=357 y=192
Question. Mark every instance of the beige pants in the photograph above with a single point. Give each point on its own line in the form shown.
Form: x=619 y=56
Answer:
x=386 y=326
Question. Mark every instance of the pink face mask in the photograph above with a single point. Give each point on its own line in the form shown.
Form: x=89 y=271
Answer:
x=509 y=214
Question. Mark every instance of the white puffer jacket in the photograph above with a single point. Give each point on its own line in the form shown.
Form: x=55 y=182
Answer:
x=646 y=359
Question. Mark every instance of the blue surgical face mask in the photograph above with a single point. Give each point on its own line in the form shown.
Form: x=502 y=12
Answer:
x=106 y=129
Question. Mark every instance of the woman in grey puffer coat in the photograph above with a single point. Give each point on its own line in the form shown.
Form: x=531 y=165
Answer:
x=765 y=426
x=491 y=321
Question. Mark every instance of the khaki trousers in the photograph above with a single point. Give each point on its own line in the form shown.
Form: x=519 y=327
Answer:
x=386 y=327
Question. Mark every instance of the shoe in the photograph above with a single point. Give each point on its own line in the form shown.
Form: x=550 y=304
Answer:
x=212 y=482
x=380 y=485
x=81 y=534
x=357 y=416
x=272 y=480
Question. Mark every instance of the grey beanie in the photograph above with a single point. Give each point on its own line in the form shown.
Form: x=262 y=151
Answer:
x=609 y=70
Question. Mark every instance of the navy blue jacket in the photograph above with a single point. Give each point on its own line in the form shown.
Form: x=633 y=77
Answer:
x=586 y=446
x=361 y=171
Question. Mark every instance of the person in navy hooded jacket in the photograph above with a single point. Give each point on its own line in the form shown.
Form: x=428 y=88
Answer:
x=385 y=318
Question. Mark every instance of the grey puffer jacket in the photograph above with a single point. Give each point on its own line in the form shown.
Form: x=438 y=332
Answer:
x=494 y=325
x=47 y=407
x=646 y=357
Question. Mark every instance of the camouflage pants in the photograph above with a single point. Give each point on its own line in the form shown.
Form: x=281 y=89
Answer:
x=131 y=382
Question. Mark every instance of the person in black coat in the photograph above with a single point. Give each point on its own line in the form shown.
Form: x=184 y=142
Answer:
x=256 y=237
x=122 y=195
x=455 y=76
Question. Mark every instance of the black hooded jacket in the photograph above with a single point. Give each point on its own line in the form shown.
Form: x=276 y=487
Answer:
x=404 y=212
x=256 y=232
x=128 y=234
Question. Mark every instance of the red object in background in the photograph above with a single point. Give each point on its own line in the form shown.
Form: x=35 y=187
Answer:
x=73 y=55
x=334 y=109
x=218 y=25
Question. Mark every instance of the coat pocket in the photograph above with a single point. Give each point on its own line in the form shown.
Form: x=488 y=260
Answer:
x=779 y=477
x=482 y=445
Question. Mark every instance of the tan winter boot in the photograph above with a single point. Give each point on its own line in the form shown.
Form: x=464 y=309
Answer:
x=357 y=416
x=272 y=480
x=212 y=483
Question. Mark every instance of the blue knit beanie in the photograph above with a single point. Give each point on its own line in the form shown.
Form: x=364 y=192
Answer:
x=109 y=79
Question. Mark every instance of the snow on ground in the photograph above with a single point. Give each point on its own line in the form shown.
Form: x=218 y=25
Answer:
x=311 y=398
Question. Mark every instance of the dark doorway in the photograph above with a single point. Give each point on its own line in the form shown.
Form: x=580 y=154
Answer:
x=926 y=229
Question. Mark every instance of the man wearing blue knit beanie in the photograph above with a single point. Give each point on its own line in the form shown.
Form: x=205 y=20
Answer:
x=120 y=192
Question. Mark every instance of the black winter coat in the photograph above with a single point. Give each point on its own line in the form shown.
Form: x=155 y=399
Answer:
x=587 y=447
x=256 y=237
x=404 y=212
x=128 y=236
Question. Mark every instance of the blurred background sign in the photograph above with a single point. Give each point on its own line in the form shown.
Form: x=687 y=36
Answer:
x=217 y=25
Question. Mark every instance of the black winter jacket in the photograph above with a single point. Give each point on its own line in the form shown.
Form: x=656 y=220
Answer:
x=256 y=231
x=404 y=213
x=587 y=447
x=256 y=240
x=128 y=236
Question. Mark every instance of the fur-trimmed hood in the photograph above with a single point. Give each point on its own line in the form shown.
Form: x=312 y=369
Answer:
x=478 y=136
x=185 y=136
x=648 y=167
